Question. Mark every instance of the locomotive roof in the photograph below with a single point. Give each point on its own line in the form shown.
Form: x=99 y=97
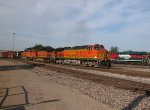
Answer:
x=76 y=47
x=137 y=53
x=83 y=47
x=80 y=47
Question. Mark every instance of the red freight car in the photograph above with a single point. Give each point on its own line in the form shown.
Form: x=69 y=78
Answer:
x=8 y=54
x=113 y=56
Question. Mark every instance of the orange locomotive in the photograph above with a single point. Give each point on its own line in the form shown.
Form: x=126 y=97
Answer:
x=87 y=55
x=45 y=56
x=29 y=55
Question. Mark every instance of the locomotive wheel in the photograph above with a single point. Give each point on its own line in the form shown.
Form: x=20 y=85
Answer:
x=84 y=63
x=107 y=64
x=90 y=63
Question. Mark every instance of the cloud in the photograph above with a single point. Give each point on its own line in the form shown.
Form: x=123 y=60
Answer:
x=65 y=22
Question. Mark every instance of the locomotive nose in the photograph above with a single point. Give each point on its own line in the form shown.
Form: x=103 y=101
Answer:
x=103 y=54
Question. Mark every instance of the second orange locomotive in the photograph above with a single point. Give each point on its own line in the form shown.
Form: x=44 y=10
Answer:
x=87 y=55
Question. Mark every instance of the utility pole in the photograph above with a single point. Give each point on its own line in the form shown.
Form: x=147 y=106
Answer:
x=13 y=41
x=13 y=44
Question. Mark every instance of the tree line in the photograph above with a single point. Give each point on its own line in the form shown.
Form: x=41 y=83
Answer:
x=39 y=47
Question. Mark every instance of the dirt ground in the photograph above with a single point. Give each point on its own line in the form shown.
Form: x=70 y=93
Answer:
x=22 y=89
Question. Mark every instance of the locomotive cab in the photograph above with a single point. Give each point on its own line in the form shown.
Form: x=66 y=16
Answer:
x=101 y=55
x=95 y=47
x=98 y=47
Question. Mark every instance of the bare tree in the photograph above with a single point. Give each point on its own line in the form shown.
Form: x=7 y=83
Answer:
x=114 y=49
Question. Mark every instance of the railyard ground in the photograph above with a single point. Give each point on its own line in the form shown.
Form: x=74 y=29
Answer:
x=22 y=89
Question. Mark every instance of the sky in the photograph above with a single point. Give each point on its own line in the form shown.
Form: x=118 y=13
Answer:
x=59 y=23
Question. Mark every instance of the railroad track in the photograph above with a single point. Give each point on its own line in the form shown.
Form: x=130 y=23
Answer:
x=132 y=66
x=109 y=81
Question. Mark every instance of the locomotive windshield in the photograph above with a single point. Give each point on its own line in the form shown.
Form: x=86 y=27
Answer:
x=98 y=47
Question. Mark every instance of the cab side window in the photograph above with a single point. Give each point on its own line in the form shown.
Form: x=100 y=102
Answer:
x=96 y=48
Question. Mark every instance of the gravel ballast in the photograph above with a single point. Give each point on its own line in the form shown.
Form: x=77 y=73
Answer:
x=119 y=76
x=115 y=98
